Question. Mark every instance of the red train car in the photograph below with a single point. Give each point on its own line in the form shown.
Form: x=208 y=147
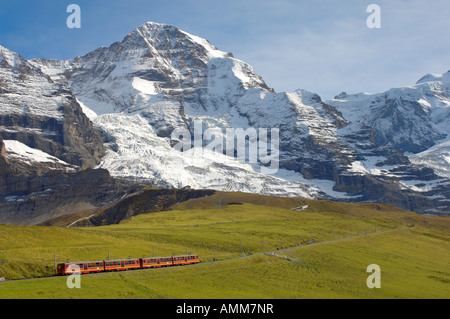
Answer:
x=122 y=264
x=156 y=262
x=185 y=260
x=84 y=267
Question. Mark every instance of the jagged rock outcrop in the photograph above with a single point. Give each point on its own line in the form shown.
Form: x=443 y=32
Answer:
x=32 y=199
x=144 y=201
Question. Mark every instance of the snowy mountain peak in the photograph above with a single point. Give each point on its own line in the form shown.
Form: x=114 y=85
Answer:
x=9 y=58
x=159 y=36
x=444 y=77
x=151 y=31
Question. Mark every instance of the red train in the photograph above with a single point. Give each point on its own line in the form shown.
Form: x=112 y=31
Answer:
x=87 y=267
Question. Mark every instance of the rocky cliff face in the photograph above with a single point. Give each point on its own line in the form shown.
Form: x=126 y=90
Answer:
x=32 y=199
x=45 y=115
x=47 y=143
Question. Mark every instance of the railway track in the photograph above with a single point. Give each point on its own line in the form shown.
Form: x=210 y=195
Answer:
x=275 y=253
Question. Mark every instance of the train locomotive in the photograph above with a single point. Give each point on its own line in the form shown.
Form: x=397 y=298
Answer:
x=87 y=267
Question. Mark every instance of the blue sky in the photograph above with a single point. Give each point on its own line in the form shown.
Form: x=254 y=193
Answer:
x=322 y=46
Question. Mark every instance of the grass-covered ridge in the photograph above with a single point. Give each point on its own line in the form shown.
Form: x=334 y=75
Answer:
x=414 y=261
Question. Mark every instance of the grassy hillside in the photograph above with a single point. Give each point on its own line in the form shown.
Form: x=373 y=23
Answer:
x=330 y=262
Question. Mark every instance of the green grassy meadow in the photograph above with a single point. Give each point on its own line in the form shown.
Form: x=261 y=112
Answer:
x=249 y=247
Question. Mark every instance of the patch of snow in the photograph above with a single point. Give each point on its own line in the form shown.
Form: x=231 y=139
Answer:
x=213 y=52
x=436 y=157
x=144 y=86
x=86 y=110
x=18 y=150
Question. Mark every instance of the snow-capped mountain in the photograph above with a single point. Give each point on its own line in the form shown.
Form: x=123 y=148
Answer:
x=158 y=79
x=415 y=122
x=389 y=147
